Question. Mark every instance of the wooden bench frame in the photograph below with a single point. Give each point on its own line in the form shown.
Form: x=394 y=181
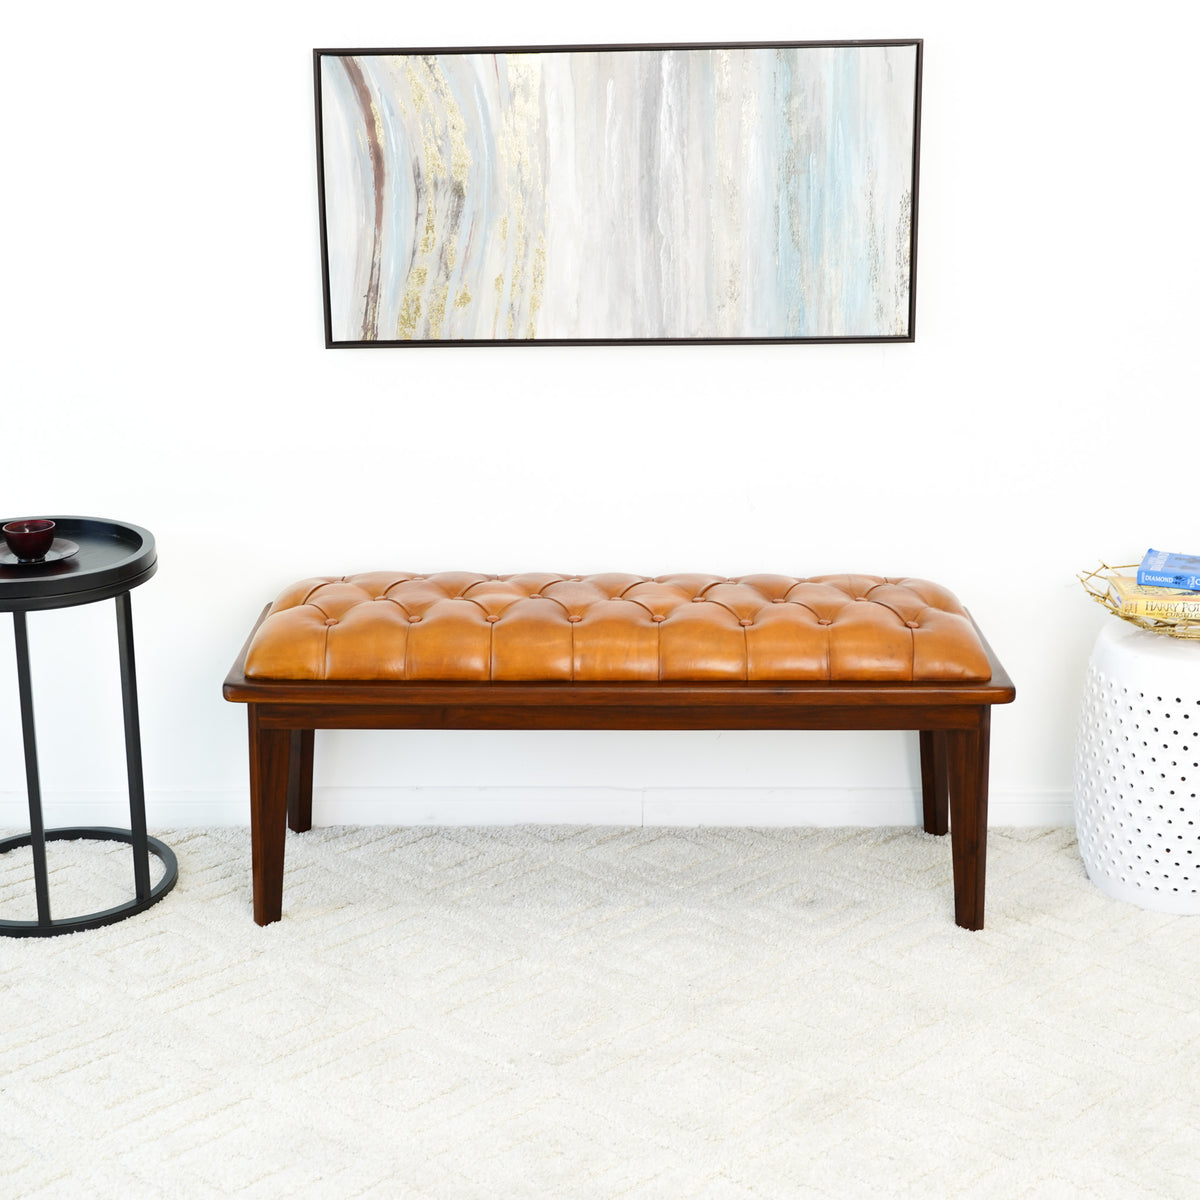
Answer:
x=952 y=719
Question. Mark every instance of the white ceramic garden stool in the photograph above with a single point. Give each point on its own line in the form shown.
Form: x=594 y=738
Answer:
x=1137 y=769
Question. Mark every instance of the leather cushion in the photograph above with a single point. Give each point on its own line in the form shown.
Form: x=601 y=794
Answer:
x=389 y=625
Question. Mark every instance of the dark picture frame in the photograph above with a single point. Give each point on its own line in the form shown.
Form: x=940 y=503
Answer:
x=600 y=195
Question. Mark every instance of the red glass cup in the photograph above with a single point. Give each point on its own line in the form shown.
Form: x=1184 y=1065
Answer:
x=29 y=540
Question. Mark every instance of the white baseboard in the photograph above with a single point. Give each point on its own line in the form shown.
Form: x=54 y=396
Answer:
x=825 y=807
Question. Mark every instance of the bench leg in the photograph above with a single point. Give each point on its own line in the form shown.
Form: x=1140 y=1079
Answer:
x=300 y=774
x=269 y=759
x=934 y=792
x=967 y=756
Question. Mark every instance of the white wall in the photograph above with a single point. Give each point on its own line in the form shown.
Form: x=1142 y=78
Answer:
x=163 y=364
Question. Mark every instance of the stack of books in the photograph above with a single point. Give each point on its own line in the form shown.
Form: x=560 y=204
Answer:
x=1166 y=588
x=1161 y=569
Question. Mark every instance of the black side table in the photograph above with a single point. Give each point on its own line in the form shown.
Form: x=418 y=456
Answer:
x=112 y=558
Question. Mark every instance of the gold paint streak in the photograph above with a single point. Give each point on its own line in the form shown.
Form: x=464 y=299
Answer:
x=437 y=309
x=396 y=63
x=410 y=305
x=414 y=81
x=421 y=83
x=429 y=237
x=519 y=256
x=499 y=301
x=435 y=165
x=460 y=155
x=445 y=166
x=456 y=129
x=515 y=136
x=539 y=280
x=516 y=233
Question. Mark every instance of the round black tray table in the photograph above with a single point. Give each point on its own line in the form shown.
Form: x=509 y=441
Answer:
x=93 y=560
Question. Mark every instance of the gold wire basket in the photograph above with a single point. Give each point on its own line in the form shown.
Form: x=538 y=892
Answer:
x=1095 y=583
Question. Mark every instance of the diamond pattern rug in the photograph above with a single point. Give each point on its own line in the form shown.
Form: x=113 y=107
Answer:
x=600 y=1012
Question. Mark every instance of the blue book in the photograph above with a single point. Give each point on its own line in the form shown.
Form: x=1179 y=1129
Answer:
x=1161 y=569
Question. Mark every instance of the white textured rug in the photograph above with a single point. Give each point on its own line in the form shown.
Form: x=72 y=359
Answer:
x=599 y=1012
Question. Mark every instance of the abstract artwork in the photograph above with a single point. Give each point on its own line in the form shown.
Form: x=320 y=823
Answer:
x=619 y=194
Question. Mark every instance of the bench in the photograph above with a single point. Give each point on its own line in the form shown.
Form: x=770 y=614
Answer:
x=389 y=650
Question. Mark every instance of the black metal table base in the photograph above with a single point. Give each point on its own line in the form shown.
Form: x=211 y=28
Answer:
x=52 y=927
x=112 y=559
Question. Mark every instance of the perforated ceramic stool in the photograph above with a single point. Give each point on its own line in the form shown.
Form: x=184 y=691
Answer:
x=1137 y=769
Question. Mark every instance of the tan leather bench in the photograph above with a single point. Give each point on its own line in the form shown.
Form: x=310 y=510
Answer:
x=390 y=650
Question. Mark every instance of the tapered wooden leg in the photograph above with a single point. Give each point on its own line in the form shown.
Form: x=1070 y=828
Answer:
x=269 y=755
x=300 y=774
x=934 y=793
x=967 y=755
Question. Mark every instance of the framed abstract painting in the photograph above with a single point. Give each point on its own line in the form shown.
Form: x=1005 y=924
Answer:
x=619 y=194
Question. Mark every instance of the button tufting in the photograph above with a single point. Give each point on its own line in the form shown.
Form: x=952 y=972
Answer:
x=812 y=638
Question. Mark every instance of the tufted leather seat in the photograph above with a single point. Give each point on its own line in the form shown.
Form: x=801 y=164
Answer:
x=459 y=626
